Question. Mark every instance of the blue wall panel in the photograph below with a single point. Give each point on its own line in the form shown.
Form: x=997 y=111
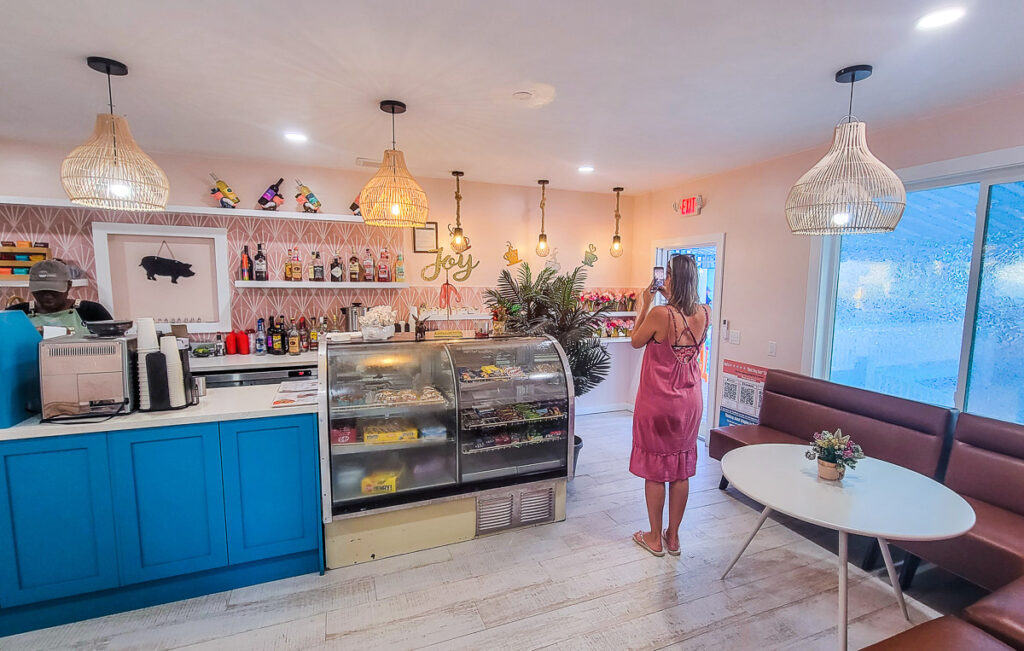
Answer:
x=56 y=522
x=271 y=490
x=168 y=501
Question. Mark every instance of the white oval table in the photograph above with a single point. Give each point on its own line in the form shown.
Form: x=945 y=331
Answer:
x=877 y=499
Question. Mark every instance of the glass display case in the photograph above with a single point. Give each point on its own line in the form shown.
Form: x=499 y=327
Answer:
x=411 y=421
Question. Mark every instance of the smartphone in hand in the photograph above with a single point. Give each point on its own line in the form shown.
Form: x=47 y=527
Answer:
x=659 y=279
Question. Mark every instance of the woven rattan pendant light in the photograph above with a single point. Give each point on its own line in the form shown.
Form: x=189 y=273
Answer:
x=542 y=240
x=849 y=190
x=392 y=197
x=616 y=248
x=459 y=240
x=109 y=170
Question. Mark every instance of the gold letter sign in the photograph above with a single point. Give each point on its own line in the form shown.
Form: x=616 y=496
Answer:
x=464 y=263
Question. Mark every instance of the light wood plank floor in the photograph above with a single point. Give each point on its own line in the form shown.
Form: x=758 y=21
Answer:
x=580 y=584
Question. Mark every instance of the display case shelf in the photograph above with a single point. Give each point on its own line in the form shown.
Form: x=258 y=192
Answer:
x=506 y=423
x=377 y=407
x=508 y=446
x=314 y=284
x=361 y=448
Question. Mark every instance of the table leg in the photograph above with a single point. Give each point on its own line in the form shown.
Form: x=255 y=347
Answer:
x=760 y=521
x=843 y=580
x=893 y=579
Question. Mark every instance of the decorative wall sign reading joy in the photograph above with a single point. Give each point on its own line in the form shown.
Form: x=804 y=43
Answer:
x=464 y=263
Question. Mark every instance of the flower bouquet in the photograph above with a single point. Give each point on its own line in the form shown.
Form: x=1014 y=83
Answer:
x=499 y=317
x=630 y=300
x=378 y=324
x=835 y=453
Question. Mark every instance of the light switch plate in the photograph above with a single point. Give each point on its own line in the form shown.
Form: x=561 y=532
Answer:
x=771 y=349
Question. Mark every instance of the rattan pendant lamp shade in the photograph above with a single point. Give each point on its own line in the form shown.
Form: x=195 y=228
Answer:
x=109 y=170
x=392 y=197
x=849 y=190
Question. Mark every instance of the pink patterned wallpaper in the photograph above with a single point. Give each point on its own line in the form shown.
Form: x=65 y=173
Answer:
x=69 y=234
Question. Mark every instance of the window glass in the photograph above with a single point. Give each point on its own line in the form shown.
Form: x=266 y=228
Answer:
x=901 y=298
x=996 y=380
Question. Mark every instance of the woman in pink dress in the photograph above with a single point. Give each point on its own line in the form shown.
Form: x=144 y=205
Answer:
x=666 y=418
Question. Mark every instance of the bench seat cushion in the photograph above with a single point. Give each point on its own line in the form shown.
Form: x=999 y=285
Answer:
x=728 y=438
x=943 y=634
x=1001 y=614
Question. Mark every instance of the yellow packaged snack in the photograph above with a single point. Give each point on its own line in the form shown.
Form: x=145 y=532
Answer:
x=381 y=482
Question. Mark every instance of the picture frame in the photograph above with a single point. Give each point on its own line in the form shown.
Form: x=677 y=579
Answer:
x=175 y=274
x=424 y=238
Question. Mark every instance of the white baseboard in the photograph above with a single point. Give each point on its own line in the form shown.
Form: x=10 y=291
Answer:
x=603 y=408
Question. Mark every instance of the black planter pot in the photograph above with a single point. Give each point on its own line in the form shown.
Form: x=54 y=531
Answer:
x=577 y=447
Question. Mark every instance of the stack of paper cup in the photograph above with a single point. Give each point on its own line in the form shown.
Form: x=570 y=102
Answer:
x=146 y=342
x=175 y=372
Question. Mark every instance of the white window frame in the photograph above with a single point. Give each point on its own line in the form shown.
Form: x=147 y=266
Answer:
x=988 y=169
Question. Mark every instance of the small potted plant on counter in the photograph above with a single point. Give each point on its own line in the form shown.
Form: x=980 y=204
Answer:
x=835 y=453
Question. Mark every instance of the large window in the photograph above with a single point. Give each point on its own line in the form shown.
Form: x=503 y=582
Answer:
x=996 y=382
x=916 y=316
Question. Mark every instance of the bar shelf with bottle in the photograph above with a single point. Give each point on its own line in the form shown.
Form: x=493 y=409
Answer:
x=317 y=271
x=408 y=422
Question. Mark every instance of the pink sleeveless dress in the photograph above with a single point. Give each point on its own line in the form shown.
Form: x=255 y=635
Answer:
x=666 y=417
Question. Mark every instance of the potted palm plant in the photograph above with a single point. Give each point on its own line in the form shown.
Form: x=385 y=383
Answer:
x=547 y=303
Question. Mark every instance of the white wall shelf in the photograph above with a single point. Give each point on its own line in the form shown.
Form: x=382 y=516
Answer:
x=615 y=340
x=202 y=210
x=23 y=282
x=620 y=313
x=465 y=316
x=312 y=284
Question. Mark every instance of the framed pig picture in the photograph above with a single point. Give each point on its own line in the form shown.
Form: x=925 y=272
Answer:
x=175 y=274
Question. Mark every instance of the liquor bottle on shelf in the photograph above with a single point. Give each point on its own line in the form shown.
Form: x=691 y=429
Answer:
x=334 y=323
x=318 y=268
x=260 y=343
x=245 y=265
x=294 y=344
x=369 y=268
x=272 y=197
x=337 y=270
x=303 y=335
x=270 y=335
x=354 y=268
x=322 y=329
x=400 y=270
x=288 y=266
x=280 y=339
x=383 y=267
x=310 y=267
x=259 y=264
x=219 y=348
x=314 y=335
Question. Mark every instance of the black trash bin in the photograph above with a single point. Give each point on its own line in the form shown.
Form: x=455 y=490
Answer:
x=577 y=446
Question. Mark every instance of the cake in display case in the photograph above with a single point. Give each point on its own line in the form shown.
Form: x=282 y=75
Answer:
x=413 y=421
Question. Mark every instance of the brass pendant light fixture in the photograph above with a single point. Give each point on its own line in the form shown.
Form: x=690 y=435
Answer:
x=542 y=240
x=109 y=170
x=616 y=249
x=459 y=240
x=392 y=197
x=849 y=190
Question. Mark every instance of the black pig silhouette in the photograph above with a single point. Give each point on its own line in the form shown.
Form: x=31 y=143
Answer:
x=157 y=266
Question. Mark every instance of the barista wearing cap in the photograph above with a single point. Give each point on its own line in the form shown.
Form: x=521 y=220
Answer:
x=49 y=281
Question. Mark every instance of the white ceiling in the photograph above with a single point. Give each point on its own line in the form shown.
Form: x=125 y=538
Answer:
x=649 y=92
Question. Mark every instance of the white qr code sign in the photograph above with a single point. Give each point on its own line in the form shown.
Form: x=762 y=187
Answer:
x=742 y=392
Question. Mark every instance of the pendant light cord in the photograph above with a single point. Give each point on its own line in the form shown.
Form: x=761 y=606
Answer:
x=543 y=200
x=110 y=103
x=458 y=204
x=849 y=113
x=393 y=128
x=617 y=215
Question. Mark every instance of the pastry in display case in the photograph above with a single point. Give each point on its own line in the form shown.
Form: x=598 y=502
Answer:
x=413 y=421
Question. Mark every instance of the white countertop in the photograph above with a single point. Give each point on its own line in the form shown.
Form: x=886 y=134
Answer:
x=877 y=498
x=228 y=403
x=203 y=365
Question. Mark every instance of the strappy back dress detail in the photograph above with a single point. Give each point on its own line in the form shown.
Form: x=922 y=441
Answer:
x=669 y=403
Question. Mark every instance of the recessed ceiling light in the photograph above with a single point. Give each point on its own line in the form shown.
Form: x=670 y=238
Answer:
x=294 y=136
x=941 y=18
x=585 y=169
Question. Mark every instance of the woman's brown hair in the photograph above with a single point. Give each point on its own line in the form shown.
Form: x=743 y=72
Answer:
x=682 y=269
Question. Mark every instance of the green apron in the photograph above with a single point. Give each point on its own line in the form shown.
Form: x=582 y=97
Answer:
x=64 y=319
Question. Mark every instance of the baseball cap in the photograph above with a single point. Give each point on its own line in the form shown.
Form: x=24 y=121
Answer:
x=48 y=276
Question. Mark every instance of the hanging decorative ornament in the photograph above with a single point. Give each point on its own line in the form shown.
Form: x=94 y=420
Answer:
x=590 y=255
x=542 y=239
x=849 y=190
x=109 y=170
x=460 y=242
x=553 y=262
x=393 y=197
x=616 y=249
x=306 y=199
x=511 y=255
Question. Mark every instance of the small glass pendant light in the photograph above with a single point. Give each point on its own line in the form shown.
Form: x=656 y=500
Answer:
x=109 y=170
x=616 y=249
x=849 y=190
x=459 y=240
x=392 y=197
x=542 y=240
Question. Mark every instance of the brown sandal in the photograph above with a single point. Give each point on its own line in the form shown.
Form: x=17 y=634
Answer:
x=672 y=552
x=638 y=538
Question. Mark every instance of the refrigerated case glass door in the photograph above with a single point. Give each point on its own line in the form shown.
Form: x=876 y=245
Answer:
x=513 y=408
x=392 y=422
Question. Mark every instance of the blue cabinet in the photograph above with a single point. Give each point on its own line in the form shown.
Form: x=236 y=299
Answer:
x=271 y=492
x=56 y=521
x=168 y=501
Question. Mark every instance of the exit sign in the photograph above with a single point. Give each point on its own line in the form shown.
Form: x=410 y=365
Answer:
x=689 y=206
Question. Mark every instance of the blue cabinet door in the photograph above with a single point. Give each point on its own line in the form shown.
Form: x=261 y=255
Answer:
x=271 y=490
x=168 y=501
x=56 y=521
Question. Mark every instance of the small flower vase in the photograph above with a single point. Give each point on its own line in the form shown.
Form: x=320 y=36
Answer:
x=830 y=471
x=498 y=328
